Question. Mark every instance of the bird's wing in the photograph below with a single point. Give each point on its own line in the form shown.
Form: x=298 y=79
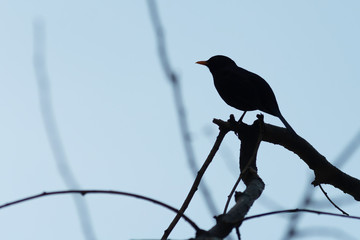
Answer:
x=266 y=95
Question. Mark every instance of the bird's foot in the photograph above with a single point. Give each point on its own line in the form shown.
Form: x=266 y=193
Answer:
x=260 y=116
x=241 y=118
x=234 y=123
x=232 y=119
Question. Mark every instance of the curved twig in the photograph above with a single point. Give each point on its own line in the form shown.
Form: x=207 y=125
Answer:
x=84 y=192
x=300 y=210
x=328 y=198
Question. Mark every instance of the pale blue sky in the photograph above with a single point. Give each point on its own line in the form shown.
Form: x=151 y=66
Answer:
x=116 y=115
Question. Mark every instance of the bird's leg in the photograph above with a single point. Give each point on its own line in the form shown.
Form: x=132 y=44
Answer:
x=241 y=118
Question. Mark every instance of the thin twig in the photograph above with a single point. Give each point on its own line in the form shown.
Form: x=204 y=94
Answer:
x=238 y=233
x=300 y=210
x=238 y=181
x=325 y=172
x=196 y=183
x=232 y=192
x=336 y=206
x=84 y=192
x=52 y=131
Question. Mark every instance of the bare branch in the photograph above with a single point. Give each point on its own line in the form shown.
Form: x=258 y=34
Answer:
x=324 y=171
x=343 y=157
x=250 y=140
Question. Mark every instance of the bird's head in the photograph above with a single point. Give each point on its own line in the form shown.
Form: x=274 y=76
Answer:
x=218 y=62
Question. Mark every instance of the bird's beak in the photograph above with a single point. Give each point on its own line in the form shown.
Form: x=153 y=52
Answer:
x=202 y=63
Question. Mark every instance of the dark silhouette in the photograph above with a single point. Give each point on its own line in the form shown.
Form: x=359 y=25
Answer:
x=242 y=89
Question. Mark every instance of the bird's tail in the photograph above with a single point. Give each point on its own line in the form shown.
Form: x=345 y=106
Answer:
x=287 y=125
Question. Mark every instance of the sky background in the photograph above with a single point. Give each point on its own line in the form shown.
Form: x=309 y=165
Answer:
x=117 y=120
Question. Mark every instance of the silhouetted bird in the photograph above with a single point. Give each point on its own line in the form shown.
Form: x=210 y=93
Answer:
x=242 y=89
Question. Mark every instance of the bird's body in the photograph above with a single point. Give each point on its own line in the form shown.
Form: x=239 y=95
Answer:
x=243 y=89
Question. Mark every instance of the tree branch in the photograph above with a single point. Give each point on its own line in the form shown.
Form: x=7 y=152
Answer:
x=250 y=140
x=307 y=199
x=325 y=172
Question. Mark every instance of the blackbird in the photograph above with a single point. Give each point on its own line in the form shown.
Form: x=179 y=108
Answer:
x=243 y=89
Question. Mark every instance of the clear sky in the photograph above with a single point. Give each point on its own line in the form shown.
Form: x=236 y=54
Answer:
x=116 y=117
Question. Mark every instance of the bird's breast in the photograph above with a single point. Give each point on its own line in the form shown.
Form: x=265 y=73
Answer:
x=236 y=92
